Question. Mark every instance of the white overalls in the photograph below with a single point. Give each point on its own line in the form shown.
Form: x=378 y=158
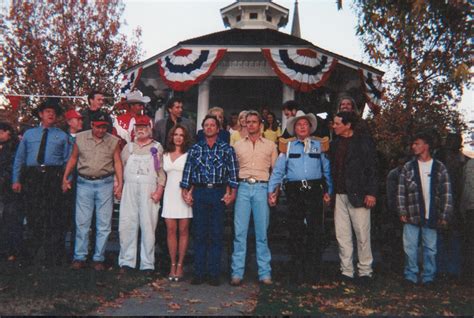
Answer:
x=137 y=208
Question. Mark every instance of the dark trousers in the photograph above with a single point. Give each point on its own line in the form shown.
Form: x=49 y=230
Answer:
x=208 y=230
x=305 y=222
x=13 y=215
x=44 y=207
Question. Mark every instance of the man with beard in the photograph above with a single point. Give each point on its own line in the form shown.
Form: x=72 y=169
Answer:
x=144 y=180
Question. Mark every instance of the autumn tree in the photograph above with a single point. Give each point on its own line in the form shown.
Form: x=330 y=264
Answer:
x=66 y=47
x=424 y=45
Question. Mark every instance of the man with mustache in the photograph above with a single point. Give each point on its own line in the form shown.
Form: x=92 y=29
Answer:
x=144 y=181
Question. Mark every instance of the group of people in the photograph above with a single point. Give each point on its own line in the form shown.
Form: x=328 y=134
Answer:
x=67 y=177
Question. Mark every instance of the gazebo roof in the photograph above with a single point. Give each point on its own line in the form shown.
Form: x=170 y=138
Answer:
x=252 y=37
x=258 y=38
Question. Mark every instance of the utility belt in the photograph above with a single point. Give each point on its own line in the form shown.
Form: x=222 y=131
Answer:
x=43 y=168
x=90 y=178
x=304 y=185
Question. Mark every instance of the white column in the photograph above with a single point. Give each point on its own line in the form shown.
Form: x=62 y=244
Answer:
x=288 y=94
x=160 y=113
x=203 y=102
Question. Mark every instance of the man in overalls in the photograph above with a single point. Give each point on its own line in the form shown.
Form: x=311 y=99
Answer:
x=144 y=181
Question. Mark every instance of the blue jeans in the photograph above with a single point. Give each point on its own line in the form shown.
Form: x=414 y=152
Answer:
x=251 y=197
x=208 y=230
x=92 y=194
x=411 y=237
x=448 y=259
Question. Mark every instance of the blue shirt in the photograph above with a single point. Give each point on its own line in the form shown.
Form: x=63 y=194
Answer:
x=210 y=165
x=302 y=166
x=57 y=149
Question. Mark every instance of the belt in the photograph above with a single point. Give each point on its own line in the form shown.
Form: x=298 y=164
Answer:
x=95 y=178
x=43 y=168
x=252 y=180
x=209 y=185
x=304 y=185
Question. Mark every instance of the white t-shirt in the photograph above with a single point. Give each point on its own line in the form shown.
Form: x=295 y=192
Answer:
x=425 y=176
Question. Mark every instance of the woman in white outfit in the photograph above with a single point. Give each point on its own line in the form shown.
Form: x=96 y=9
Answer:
x=144 y=180
x=176 y=212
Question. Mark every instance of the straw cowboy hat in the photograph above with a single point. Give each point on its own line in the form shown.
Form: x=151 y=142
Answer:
x=290 y=126
x=137 y=97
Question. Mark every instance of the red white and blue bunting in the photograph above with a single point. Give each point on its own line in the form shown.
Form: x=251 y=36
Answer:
x=130 y=81
x=372 y=88
x=302 y=69
x=182 y=69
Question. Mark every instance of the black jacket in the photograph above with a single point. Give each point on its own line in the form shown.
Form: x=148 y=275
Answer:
x=360 y=168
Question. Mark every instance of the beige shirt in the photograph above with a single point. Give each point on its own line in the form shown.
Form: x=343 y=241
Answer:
x=96 y=158
x=144 y=150
x=255 y=160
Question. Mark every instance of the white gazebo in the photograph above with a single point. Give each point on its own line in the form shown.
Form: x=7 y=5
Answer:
x=252 y=65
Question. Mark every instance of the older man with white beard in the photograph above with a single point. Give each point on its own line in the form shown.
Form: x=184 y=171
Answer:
x=144 y=181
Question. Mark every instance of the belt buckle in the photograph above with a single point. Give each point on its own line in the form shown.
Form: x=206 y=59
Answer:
x=42 y=168
x=209 y=185
x=252 y=180
x=305 y=185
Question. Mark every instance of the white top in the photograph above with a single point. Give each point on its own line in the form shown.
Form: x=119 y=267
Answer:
x=425 y=176
x=174 y=206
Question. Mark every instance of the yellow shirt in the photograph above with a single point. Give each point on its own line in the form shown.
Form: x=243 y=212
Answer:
x=235 y=137
x=255 y=160
x=272 y=135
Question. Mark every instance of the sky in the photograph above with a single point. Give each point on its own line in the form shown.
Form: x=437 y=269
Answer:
x=164 y=23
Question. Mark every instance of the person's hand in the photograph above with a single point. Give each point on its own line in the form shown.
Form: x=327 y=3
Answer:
x=228 y=198
x=187 y=197
x=443 y=223
x=403 y=219
x=118 y=191
x=272 y=199
x=16 y=187
x=156 y=196
x=66 y=185
x=369 y=201
x=326 y=198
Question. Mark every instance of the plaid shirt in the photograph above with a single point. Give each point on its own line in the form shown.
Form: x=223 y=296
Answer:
x=410 y=201
x=216 y=165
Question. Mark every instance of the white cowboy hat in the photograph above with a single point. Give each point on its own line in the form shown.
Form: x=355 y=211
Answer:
x=137 y=97
x=290 y=126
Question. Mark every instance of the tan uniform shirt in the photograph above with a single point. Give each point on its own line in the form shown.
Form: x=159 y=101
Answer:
x=144 y=150
x=96 y=158
x=255 y=160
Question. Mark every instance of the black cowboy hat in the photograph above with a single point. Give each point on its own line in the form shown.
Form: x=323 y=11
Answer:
x=50 y=102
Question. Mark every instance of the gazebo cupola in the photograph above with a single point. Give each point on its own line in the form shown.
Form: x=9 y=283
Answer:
x=254 y=14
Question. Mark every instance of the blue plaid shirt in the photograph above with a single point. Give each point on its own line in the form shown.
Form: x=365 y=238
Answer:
x=210 y=165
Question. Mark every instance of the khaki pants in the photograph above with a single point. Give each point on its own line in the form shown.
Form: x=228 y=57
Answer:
x=346 y=218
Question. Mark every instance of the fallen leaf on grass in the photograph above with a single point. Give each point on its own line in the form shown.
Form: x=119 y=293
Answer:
x=194 y=301
x=213 y=308
x=168 y=297
x=174 y=306
x=286 y=313
x=226 y=305
x=238 y=302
